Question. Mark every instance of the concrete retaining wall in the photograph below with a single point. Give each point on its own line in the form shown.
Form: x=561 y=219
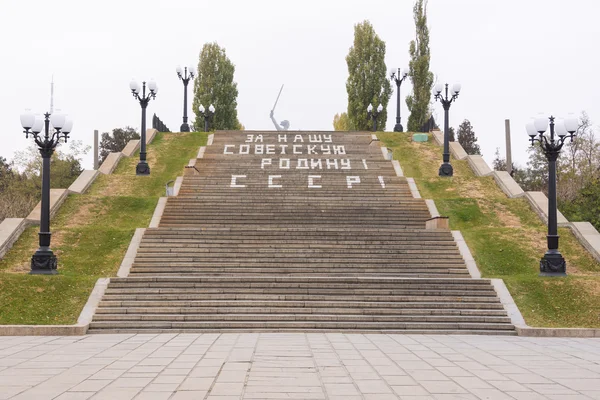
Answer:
x=457 y=151
x=158 y=212
x=84 y=181
x=110 y=163
x=131 y=253
x=57 y=197
x=539 y=204
x=478 y=165
x=509 y=186
x=10 y=231
x=131 y=148
x=438 y=137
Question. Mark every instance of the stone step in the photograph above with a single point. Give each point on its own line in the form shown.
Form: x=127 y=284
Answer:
x=267 y=317
x=196 y=306
x=337 y=325
x=324 y=309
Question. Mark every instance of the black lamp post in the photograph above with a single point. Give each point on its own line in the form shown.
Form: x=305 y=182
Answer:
x=446 y=168
x=398 y=76
x=207 y=115
x=43 y=260
x=143 y=168
x=374 y=114
x=552 y=263
x=186 y=75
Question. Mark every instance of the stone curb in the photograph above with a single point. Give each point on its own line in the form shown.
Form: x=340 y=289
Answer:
x=588 y=236
x=78 y=329
x=413 y=188
x=177 y=185
x=397 y=168
x=466 y=255
x=129 y=257
x=432 y=208
x=210 y=139
x=509 y=304
x=158 y=212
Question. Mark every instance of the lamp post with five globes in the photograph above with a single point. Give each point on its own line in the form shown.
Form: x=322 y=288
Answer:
x=398 y=76
x=552 y=263
x=207 y=115
x=43 y=260
x=374 y=114
x=186 y=75
x=142 y=167
x=446 y=168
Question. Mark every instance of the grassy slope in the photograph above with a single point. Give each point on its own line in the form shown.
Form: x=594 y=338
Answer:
x=91 y=234
x=506 y=238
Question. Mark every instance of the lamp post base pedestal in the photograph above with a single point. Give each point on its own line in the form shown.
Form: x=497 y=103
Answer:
x=184 y=128
x=142 y=168
x=446 y=170
x=398 y=128
x=44 y=262
x=553 y=264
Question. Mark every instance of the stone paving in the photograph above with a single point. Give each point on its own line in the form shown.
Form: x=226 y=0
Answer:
x=298 y=366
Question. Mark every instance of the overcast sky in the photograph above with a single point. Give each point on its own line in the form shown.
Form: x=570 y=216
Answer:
x=514 y=58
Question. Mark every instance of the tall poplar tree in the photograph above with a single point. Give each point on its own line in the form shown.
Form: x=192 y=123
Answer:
x=367 y=78
x=467 y=139
x=214 y=85
x=421 y=77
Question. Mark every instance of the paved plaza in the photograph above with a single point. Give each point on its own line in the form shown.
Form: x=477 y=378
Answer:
x=298 y=366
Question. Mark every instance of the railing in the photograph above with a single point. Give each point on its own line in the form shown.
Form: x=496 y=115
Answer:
x=159 y=125
x=429 y=125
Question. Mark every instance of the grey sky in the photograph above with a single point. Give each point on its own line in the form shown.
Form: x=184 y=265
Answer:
x=514 y=58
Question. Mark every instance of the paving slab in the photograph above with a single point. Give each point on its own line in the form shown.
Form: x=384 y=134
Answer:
x=290 y=366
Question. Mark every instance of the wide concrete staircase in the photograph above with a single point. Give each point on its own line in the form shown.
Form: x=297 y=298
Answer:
x=298 y=231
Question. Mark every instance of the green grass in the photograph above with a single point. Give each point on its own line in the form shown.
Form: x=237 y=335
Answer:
x=90 y=236
x=506 y=238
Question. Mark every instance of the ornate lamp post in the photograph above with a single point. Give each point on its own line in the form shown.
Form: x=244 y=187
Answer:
x=374 y=114
x=446 y=168
x=186 y=75
x=207 y=115
x=143 y=168
x=398 y=76
x=552 y=263
x=43 y=260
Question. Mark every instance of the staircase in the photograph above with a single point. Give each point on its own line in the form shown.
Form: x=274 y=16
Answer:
x=298 y=231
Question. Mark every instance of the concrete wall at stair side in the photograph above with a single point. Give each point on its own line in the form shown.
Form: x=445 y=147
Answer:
x=457 y=151
x=508 y=185
x=10 y=231
x=539 y=204
x=132 y=146
x=84 y=181
x=588 y=236
x=57 y=197
x=478 y=165
x=110 y=163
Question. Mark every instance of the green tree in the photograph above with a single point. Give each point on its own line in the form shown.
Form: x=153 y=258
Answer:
x=341 y=122
x=367 y=78
x=116 y=141
x=214 y=85
x=420 y=76
x=467 y=139
x=451 y=134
